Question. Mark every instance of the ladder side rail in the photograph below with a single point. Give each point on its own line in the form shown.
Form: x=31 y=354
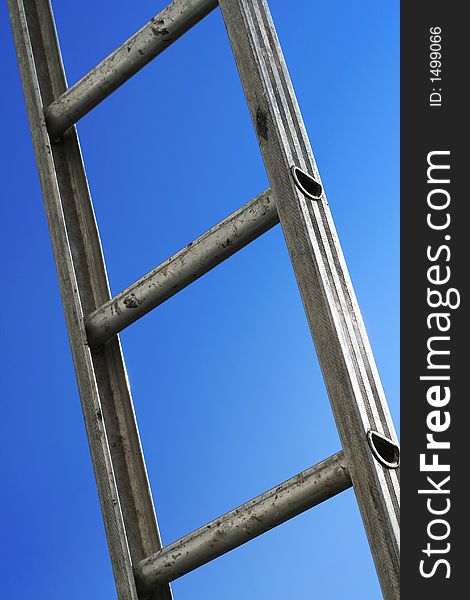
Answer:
x=343 y=349
x=120 y=473
x=183 y=268
x=131 y=56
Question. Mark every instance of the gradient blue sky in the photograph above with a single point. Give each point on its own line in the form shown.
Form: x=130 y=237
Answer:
x=228 y=393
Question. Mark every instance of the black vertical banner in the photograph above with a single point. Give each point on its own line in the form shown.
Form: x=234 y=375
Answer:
x=435 y=267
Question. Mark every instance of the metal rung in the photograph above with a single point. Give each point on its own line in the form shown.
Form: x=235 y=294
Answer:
x=197 y=258
x=281 y=503
x=150 y=41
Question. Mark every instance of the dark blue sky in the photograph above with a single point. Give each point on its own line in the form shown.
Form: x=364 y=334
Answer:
x=228 y=393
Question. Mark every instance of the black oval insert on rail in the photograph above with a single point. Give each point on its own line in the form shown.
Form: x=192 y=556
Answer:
x=385 y=450
x=307 y=184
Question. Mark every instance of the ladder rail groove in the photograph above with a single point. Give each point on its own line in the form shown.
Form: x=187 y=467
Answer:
x=336 y=325
x=120 y=473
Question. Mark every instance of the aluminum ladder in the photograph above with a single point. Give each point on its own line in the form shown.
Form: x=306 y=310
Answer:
x=369 y=461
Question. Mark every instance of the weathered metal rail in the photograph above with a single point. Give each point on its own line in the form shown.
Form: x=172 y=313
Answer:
x=336 y=324
x=118 y=462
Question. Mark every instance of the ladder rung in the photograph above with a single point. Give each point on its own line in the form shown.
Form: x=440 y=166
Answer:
x=287 y=500
x=150 y=41
x=194 y=260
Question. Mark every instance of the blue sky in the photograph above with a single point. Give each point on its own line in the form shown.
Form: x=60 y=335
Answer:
x=228 y=393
